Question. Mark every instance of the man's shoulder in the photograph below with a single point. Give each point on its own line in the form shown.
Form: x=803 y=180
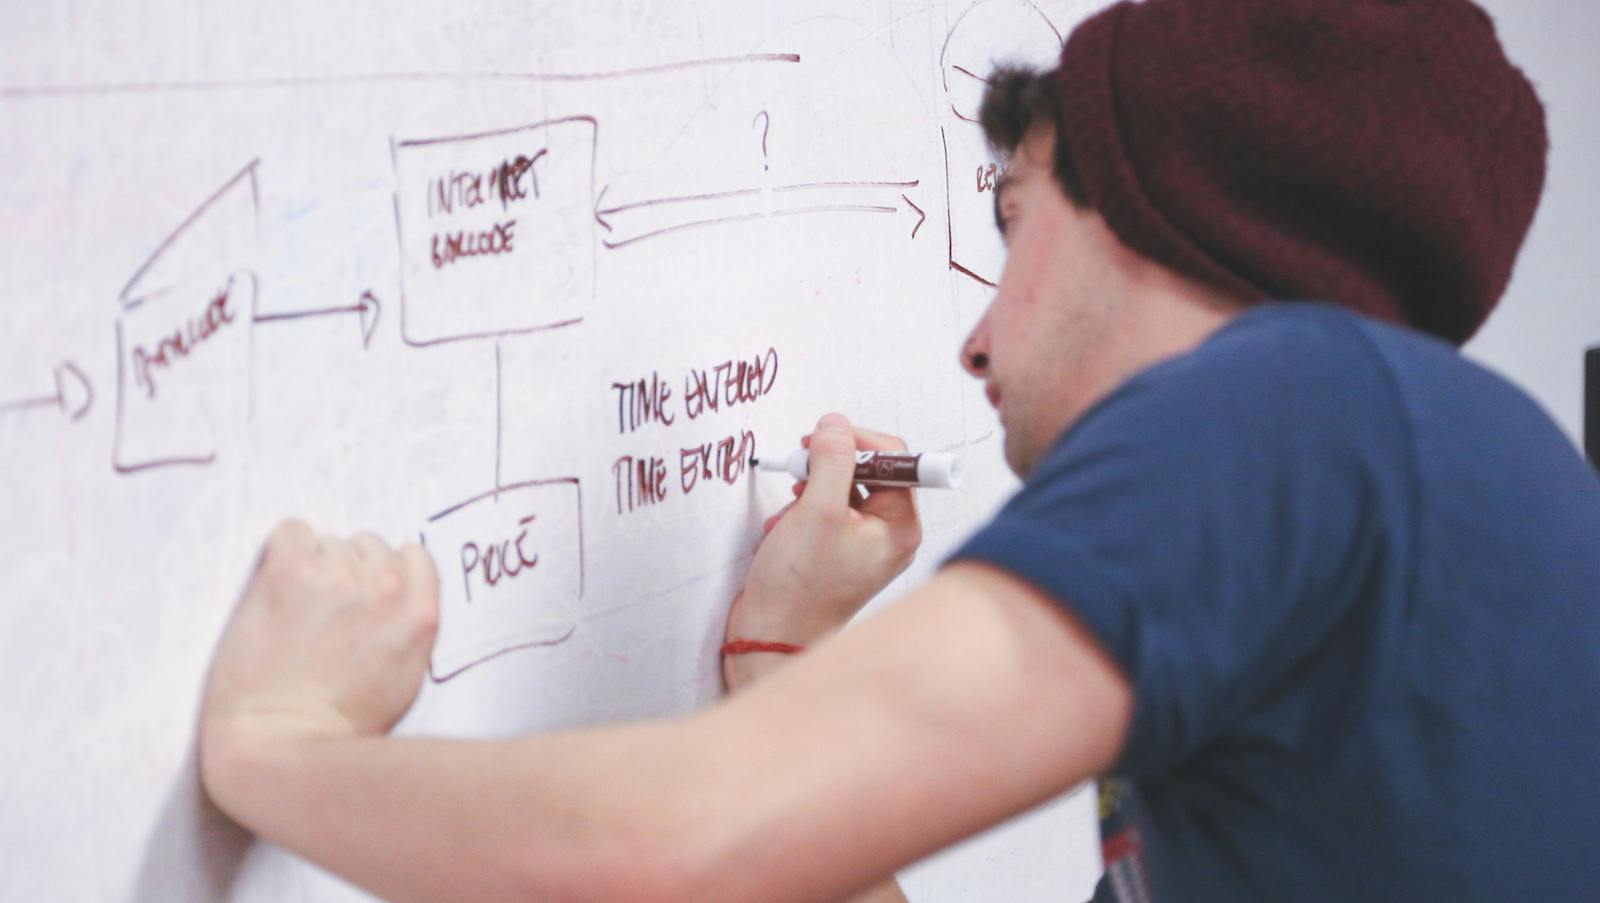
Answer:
x=1322 y=341
x=1355 y=371
x=1332 y=346
x=1274 y=370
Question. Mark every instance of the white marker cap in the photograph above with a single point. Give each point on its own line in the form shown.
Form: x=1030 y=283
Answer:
x=939 y=470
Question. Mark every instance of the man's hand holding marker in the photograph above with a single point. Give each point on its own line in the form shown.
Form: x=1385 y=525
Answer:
x=824 y=555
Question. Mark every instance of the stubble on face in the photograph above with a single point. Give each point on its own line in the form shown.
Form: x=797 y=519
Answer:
x=1054 y=311
x=1045 y=387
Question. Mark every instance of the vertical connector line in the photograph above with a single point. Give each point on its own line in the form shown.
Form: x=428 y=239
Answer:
x=497 y=420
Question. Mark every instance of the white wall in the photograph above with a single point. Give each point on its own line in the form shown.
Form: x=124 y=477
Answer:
x=1550 y=313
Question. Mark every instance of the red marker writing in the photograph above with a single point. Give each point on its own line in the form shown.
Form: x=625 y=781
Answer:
x=931 y=470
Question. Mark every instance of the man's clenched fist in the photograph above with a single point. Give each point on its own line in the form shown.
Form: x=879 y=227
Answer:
x=331 y=639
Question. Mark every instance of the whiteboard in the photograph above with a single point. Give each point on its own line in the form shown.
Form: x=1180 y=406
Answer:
x=528 y=283
x=793 y=188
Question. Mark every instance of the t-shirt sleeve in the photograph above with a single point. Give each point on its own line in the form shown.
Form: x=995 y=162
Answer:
x=1212 y=521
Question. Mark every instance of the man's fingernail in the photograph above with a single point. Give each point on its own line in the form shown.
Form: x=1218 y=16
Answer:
x=834 y=422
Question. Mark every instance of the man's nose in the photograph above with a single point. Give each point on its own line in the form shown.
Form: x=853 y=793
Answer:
x=975 y=350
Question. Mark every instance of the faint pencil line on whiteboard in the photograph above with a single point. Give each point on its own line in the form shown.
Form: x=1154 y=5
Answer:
x=24 y=92
x=885 y=29
x=659 y=593
x=968 y=443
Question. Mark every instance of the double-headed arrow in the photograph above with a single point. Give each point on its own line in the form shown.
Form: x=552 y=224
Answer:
x=74 y=395
x=367 y=308
x=694 y=211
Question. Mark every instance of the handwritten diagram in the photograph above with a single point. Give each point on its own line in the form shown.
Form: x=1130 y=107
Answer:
x=530 y=290
x=502 y=233
x=495 y=230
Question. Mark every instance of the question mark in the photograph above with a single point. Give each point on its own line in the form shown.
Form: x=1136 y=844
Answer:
x=766 y=123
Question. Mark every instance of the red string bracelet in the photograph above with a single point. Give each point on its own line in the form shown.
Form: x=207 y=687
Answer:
x=740 y=647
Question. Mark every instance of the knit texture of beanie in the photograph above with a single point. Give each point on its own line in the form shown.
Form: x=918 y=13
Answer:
x=1379 y=154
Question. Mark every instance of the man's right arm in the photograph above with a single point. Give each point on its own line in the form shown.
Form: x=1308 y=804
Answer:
x=973 y=699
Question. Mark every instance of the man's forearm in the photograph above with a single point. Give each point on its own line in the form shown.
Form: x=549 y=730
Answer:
x=740 y=671
x=569 y=817
x=797 y=789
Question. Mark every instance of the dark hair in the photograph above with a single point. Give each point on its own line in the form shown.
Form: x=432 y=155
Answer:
x=1017 y=99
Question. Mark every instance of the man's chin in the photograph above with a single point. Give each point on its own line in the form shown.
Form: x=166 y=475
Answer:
x=1018 y=457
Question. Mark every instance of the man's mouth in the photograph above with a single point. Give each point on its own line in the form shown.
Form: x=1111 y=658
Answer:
x=992 y=393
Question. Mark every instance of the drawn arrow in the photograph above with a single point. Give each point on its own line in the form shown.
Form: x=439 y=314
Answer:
x=368 y=307
x=693 y=211
x=74 y=394
x=920 y=215
x=598 y=217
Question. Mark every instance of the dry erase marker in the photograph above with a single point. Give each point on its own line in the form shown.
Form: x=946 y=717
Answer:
x=932 y=470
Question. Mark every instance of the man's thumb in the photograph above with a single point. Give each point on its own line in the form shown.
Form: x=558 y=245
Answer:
x=833 y=464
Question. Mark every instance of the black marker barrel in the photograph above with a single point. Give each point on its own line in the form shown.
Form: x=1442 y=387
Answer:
x=930 y=470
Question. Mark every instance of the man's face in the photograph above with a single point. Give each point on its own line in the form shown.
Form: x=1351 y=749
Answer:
x=1039 y=346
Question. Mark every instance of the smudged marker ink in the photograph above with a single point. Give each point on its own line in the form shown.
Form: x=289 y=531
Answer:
x=929 y=470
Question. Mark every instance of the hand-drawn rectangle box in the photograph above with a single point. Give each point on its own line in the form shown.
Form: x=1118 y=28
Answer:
x=496 y=230
x=183 y=336
x=510 y=572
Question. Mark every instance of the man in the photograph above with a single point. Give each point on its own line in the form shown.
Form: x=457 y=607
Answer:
x=1321 y=592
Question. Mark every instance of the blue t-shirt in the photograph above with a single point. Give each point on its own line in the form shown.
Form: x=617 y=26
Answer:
x=1354 y=580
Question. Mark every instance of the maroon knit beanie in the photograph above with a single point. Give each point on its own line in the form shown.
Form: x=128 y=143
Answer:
x=1380 y=154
